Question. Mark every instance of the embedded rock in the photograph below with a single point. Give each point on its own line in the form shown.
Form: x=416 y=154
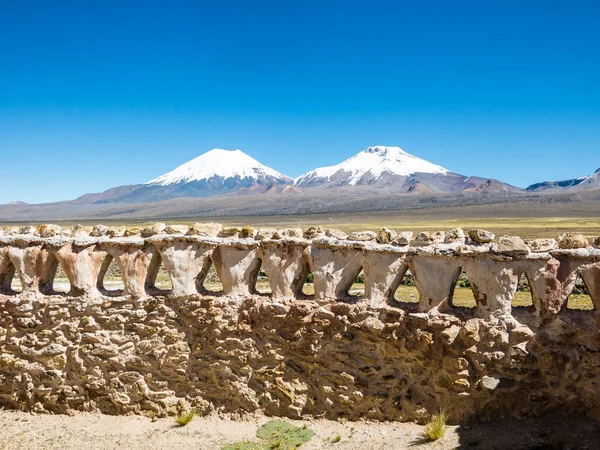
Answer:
x=481 y=236
x=362 y=236
x=542 y=245
x=288 y=233
x=205 y=229
x=428 y=238
x=511 y=246
x=313 y=232
x=48 y=230
x=403 y=238
x=99 y=230
x=177 y=229
x=385 y=236
x=455 y=235
x=247 y=232
x=134 y=231
x=152 y=230
x=572 y=241
x=336 y=234
x=26 y=230
x=265 y=233
x=114 y=232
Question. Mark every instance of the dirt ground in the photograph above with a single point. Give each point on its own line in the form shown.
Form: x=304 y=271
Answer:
x=19 y=430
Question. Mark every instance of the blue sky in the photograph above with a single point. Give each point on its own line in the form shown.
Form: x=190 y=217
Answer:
x=102 y=93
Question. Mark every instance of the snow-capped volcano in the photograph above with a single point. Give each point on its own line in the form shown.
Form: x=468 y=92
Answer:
x=215 y=172
x=224 y=164
x=370 y=166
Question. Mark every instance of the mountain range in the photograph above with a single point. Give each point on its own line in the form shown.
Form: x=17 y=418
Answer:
x=218 y=182
x=221 y=171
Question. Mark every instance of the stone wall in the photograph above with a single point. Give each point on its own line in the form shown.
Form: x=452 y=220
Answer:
x=146 y=351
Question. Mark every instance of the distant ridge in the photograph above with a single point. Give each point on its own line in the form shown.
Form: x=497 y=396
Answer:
x=581 y=183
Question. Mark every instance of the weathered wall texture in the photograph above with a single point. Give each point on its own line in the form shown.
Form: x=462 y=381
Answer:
x=146 y=350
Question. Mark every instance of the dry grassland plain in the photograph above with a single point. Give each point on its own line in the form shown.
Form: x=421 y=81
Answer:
x=526 y=227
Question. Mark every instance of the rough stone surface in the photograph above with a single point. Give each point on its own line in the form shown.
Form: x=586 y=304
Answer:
x=99 y=230
x=117 y=231
x=429 y=237
x=481 y=236
x=289 y=233
x=133 y=231
x=542 y=245
x=386 y=236
x=362 y=236
x=511 y=245
x=48 y=230
x=157 y=228
x=403 y=238
x=177 y=229
x=205 y=229
x=333 y=355
x=572 y=240
x=455 y=235
x=313 y=232
x=77 y=231
x=337 y=234
x=247 y=232
x=265 y=233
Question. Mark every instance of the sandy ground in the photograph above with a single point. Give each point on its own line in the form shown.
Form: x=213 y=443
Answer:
x=20 y=430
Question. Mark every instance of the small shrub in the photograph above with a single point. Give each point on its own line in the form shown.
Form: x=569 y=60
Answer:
x=408 y=279
x=183 y=418
x=276 y=435
x=338 y=438
x=437 y=427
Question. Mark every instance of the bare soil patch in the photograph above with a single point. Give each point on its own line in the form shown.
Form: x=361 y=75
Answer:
x=19 y=430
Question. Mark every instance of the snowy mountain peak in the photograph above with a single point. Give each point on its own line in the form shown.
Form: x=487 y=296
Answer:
x=384 y=151
x=369 y=166
x=219 y=163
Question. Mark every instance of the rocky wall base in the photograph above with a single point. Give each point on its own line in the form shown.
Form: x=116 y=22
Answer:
x=302 y=357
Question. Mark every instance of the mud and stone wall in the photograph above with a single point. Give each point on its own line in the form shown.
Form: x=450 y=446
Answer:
x=149 y=351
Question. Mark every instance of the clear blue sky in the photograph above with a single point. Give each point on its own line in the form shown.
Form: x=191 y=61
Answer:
x=100 y=93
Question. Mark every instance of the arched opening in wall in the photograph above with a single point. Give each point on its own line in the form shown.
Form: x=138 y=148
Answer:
x=110 y=278
x=158 y=280
x=263 y=286
x=61 y=283
x=308 y=287
x=53 y=280
x=16 y=287
x=7 y=273
x=357 y=289
x=208 y=281
x=580 y=299
x=523 y=297
x=461 y=295
x=406 y=295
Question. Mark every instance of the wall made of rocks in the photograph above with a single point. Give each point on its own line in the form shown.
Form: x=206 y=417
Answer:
x=146 y=350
